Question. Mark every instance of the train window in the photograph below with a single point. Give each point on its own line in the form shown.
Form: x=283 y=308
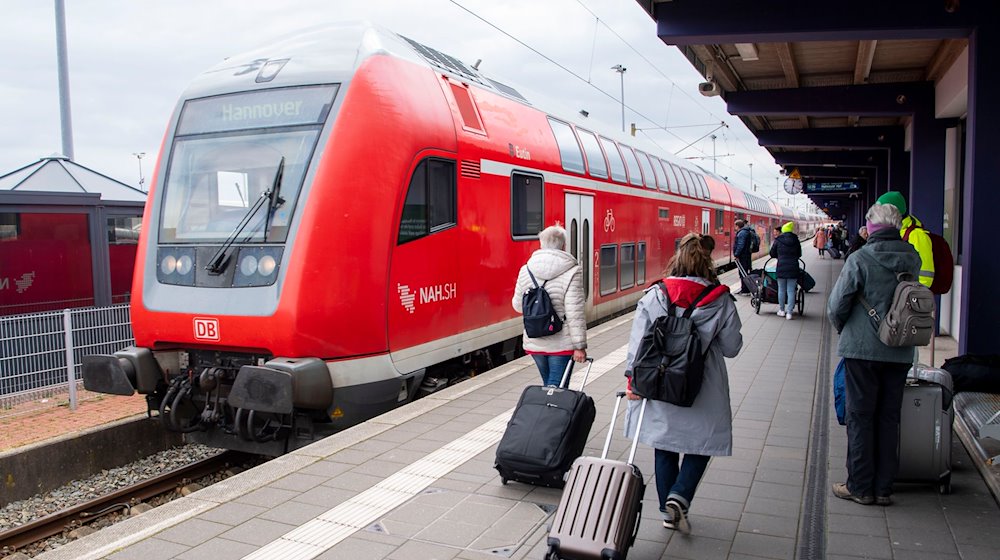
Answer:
x=664 y=213
x=705 y=193
x=430 y=200
x=634 y=175
x=682 y=181
x=661 y=183
x=719 y=217
x=668 y=170
x=609 y=269
x=595 y=158
x=615 y=159
x=585 y=262
x=526 y=205
x=647 y=170
x=10 y=225
x=692 y=186
x=640 y=264
x=628 y=265
x=569 y=149
x=574 y=237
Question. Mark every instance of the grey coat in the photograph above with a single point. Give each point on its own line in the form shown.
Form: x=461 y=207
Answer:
x=870 y=271
x=705 y=428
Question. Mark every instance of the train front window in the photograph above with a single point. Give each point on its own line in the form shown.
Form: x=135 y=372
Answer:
x=225 y=157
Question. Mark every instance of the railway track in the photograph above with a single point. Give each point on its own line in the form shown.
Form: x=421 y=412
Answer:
x=76 y=516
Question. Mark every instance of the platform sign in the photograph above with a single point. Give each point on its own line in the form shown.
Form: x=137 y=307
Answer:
x=814 y=187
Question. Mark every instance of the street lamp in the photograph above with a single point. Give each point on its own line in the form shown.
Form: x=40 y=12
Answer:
x=139 y=156
x=621 y=73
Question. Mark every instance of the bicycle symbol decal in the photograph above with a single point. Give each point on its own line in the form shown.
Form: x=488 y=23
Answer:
x=609 y=221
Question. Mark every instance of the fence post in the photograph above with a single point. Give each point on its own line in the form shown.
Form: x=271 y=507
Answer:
x=70 y=363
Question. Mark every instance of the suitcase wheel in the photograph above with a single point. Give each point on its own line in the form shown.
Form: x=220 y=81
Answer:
x=503 y=481
x=944 y=485
x=553 y=553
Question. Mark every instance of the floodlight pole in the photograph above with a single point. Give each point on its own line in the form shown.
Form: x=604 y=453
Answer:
x=64 y=110
x=139 y=156
x=621 y=74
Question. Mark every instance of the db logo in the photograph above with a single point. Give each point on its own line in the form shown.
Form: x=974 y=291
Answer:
x=206 y=329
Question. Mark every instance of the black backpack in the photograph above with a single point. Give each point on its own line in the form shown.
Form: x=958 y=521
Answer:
x=670 y=363
x=540 y=317
x=754 y=242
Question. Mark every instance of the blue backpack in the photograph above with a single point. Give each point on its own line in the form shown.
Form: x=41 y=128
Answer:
x=540 y=317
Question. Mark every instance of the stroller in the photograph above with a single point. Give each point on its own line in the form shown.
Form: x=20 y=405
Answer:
x=763 y=286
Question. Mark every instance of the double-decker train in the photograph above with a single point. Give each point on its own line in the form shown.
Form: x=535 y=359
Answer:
x=336 y=222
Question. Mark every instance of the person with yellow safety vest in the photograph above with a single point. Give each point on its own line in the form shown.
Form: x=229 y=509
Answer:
x=917 y=236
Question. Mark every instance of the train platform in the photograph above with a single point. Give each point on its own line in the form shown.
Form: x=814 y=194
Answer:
x=418 y=483
x=58 y=421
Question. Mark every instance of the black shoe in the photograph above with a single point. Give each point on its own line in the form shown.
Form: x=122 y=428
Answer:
x=678 y=517
x=883 y=500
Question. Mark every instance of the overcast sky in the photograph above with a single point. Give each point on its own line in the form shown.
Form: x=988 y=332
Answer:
x=129 y=61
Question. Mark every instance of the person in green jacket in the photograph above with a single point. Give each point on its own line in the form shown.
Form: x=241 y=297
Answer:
x=875 y=373
x=913 y=231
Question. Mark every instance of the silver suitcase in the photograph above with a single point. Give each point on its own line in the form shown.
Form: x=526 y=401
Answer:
x=925 y=422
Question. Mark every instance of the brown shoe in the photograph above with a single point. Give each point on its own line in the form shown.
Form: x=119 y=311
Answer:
x=840 y=490
x=883 y=500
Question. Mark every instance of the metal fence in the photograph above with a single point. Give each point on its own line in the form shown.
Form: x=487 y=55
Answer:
x=41 y=353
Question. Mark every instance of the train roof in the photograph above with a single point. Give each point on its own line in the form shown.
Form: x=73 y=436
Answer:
x=331 y=53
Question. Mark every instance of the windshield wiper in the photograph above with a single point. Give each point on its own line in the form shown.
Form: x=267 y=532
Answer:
x=220 y=259
x=274 y=199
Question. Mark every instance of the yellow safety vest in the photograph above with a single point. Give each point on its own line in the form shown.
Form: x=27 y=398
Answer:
x=922 y=243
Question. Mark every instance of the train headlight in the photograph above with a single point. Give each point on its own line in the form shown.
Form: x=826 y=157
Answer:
x=176 y=265
x=267 y=265
x=248 y=265
x=169 y=264
x=184 y=265
x=258 y=266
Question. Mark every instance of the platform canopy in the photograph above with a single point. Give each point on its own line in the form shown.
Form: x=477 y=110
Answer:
x=819 y=70
x=58 y=174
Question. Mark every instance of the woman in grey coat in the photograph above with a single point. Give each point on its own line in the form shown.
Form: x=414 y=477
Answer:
x=706 y=427
x=875 y=373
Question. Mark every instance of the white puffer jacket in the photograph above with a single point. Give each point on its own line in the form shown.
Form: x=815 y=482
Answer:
x=564 y=284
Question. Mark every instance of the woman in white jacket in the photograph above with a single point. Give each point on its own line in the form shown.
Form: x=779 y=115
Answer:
x=562 y=277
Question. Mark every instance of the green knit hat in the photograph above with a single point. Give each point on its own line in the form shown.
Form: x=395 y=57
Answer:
x=788 y=227
x=894 y=198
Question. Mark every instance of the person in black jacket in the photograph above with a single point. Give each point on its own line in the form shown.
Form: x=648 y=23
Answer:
x=743 y=251
x=787 y=249
x=858 y=242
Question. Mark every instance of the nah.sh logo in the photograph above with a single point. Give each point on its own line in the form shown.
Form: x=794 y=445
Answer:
x=206 y=329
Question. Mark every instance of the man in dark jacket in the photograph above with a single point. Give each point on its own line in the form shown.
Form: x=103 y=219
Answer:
x=788 y=250
x=875 y=372
x=742 y=251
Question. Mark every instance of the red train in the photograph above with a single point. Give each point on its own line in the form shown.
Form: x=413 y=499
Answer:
x=336 y=223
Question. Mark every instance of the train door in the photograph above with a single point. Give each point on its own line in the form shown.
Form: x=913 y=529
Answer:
x=580 y=242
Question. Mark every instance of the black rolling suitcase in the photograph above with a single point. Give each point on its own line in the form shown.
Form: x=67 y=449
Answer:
x=547 y=431
x=598 y=516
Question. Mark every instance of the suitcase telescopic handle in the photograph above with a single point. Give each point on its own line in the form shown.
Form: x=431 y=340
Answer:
x=564 y=384
x=611 y=428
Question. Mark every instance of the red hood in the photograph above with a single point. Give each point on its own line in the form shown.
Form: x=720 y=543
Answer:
x=683 y=291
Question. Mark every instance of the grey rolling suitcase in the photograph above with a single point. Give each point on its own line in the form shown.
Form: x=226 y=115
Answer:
x=925 y=422
x=598 y=515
